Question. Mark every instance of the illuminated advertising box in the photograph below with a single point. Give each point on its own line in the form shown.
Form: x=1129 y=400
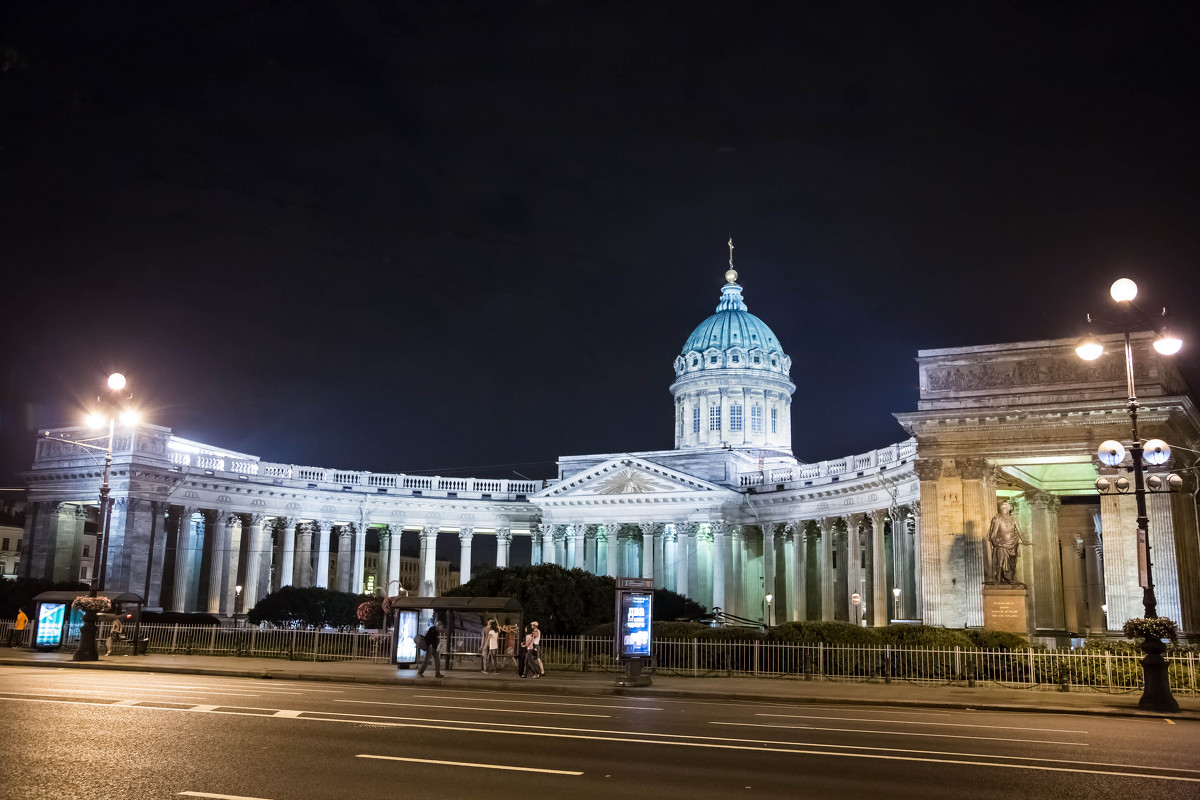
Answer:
x=50 y=618
x=635 y=610
x=406 y=630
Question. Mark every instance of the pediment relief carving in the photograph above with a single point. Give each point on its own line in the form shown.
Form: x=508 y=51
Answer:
x=628 y=477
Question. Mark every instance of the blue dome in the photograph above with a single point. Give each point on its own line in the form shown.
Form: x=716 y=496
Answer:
x=732 y=326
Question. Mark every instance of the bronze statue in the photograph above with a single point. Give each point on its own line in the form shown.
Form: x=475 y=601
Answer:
x=1005 y=538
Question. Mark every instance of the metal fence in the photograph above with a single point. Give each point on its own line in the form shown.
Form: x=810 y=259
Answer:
x=1075 y=670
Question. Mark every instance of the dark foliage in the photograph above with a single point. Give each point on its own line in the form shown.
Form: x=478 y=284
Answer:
x=19 y=593
x=310 y=607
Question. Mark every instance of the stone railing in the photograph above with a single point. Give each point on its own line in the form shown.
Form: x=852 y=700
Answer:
x=864 y=463
x=340 y=479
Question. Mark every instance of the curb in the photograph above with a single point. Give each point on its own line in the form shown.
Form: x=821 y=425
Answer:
x=592 y=691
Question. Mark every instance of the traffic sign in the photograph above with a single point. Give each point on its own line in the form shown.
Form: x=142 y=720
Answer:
x=856 y=598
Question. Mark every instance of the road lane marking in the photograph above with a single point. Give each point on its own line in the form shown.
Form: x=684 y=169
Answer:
x=920 y=722
x=899 y=733
x=468 y=708
x=793 y=748
x=127 y=702
x=218 y=796
x=539 y=702
x=469 y=764
x=204 y=708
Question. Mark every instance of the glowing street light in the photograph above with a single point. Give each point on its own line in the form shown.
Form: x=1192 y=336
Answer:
x=1157 y=694
x=767 y=609
x=896 y=594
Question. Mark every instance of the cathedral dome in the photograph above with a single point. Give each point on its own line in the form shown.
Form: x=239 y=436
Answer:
x=732 y=326
x=732 y=384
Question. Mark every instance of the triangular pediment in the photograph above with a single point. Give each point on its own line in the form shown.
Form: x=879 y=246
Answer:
x=628 y=477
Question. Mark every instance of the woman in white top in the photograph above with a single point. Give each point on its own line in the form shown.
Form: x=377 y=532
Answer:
x=491 y=647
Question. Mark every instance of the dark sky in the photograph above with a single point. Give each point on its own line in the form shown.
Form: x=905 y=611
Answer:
x=466 y=238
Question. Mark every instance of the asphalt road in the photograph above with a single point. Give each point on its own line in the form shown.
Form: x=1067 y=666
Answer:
x=76 y=734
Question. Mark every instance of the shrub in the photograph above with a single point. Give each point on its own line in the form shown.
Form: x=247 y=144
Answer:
x=308 y=606
x=828 y=632
x=924 y=636
x=178 y=618
x=996 y=640
x=1151 y=628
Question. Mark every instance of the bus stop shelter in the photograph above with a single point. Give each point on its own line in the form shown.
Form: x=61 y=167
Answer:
x=54 y=623
x=465 y=619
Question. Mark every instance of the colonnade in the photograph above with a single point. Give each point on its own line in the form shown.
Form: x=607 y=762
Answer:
x=811 y=568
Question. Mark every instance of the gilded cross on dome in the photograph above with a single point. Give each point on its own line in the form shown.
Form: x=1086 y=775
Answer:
x=731 y=274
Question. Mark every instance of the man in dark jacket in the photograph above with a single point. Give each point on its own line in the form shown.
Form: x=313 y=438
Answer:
x=433 y=638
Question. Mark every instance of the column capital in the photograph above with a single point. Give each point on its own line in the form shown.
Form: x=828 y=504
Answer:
x=254 y=519
x=650 y=528
x=465 y=535
x=878 y=517
x=773 y=529
x=971 y=469
x=504 y=535
x=686 y=528
x=928 y=469
x=719 y=528
x=430 y=531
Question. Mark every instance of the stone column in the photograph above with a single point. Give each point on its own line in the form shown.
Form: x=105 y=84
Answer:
x=345 y=558
x=979 y=504
x=385 y=546
x=285 y=528
x=770 y=531
x=612 y=535
x=183 y=545
x=735 y=583
x=218 y=567
x=136 y=571
x=233 y=528
x=685 y=533
x=828 y=525
x=547 y=532
x=358 y=575
x=1047 y=574
x=254 y=558
x=393 y=568
x=854 y=570
x=800 y=595
x=720 y=559
x=428 y=586
x=1164 y=556
x=503 y=545
x=303 y=575
x=916 y=593
x=572 y=549
x=325 y=533
x=650 y=533
x=535 y=544
x=881 y=598
x=590 y=541
x=465 y=535
x=929 y=544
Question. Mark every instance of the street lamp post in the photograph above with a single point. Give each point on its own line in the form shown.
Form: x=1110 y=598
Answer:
x=896 y=594
x=767 y=609
x=237 y=603
x=1157 y=693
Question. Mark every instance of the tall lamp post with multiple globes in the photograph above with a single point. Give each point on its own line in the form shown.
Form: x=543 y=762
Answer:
x=111 y=409
x=1157 y=693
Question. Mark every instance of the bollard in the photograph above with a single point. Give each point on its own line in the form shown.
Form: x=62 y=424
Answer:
x=887 y=665
x=1064 y=679
x=970 y=674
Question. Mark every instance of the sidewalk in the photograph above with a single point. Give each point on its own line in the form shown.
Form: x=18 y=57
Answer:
x=773 y=690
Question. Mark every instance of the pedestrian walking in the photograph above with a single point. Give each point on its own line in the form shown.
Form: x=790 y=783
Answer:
x=114 y=633
x=533 y=656
x=433 y=638
x=491 y=647
x=18 y=630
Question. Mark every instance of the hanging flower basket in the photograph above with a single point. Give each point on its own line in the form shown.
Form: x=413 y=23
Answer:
x=95 y=605
x=1157 y=628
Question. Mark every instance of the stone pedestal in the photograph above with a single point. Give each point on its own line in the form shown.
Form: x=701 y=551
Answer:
x=1004 y=608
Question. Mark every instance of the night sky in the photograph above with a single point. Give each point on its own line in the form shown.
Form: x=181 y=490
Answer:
x=466 y=238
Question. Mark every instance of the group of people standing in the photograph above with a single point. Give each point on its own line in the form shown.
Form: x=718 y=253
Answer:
x=526 y=653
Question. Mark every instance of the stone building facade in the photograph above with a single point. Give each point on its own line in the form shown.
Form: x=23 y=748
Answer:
x=727 y=517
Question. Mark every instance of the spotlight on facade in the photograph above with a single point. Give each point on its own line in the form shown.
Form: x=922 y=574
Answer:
x=1154 y=483
x=1103 y=485
x=1111 y=453
x=1157 y=452
x=1167 y=343
x=129 y=418
x=116 y=381
x=1123 y=290
x=1122 y=484
x=1174 y=483
x=1089 y=348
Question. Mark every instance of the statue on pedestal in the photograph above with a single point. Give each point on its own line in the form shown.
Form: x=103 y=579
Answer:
x=1005 y=538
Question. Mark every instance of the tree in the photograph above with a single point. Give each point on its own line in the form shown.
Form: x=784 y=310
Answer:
x=566 y=601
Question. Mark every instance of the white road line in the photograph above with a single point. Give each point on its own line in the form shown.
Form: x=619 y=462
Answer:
x=218 y=796
x=900 y=733
x=469 y=764
x=919 y=722
x=287 y=713
x=539 y=702
x=468 y=708
x=624 y=737
x=204 y=708
x=126 y=702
